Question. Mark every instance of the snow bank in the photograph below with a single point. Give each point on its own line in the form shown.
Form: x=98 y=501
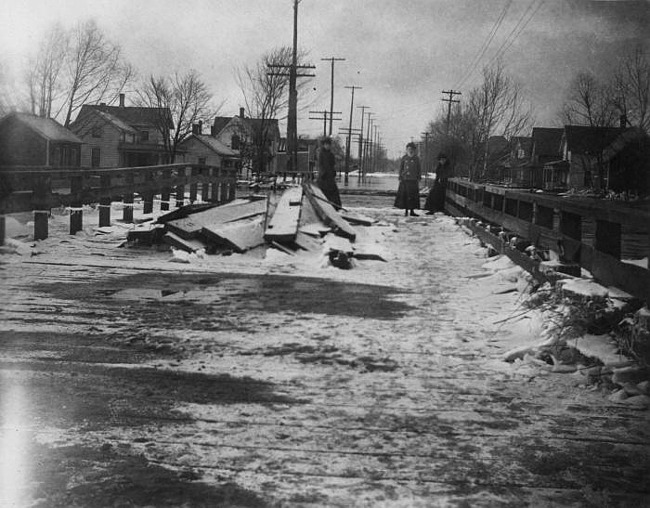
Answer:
x=582 y=287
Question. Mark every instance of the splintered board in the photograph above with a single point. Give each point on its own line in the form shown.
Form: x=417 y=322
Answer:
x=191 y=226
x=328 y=213
x=283 y=226
x=180 y=243
x=240 y=235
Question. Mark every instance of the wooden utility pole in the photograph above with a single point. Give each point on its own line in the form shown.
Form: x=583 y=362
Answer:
x=449 y=102
x=368 y=141
x=426 y=161
x=361 y=168
x=332 y=60
x=347 y=148
x=292 y=117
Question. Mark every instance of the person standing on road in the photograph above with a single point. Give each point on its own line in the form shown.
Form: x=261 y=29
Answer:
x=410 y=173
x=436 y=198
x=327 y=172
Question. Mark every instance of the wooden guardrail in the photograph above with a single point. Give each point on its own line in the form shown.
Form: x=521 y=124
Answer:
x=39 y=189
x=588 y=232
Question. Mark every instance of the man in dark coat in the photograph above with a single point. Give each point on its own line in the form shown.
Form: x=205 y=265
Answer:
x=410 y=172
x=436 y=198
x=327 y=173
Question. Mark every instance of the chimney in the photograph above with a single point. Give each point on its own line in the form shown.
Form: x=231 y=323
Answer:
x=121 y=100
x=623 y=121
x=200 y=127
x=241 y=112
x=195 y=128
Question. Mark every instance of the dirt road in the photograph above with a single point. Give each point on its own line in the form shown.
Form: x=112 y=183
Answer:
x=126 y=384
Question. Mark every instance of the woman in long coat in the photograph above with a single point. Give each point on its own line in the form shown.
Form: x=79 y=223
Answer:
x=410 y=173
x=436 y=199
x=327 y=173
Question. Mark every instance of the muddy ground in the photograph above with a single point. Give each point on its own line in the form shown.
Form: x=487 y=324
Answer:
x=169 y=385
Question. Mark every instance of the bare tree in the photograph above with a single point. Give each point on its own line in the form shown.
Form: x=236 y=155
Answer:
x=44 y=77
x=631 y=88
x=95 y=69
x=496 y=107
x=186 y=98
x=589 y=102
x=265 y=88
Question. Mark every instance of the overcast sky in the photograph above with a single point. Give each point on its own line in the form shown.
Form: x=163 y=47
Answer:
x=403 y=53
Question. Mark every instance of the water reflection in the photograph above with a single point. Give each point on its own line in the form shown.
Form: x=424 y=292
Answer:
x=14 y=443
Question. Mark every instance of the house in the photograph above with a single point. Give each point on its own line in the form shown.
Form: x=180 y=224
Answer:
x=307 y=154
x=29 y=140
x=518 y=164
x=582 y=150
x=254 y=139
x=627 y=160
x=123 y=136
x=199 y=148
x=544 y=153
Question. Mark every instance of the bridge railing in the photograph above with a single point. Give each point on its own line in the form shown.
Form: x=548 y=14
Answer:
x=588 y=232
x=40 y=189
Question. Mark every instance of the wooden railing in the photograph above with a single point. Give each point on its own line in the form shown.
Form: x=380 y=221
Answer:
x=39 y=189
x=587 y=232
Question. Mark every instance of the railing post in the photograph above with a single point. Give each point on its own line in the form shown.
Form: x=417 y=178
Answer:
x=165 y=195
x=214 y=191
x=41 y=193
x=232 y=191
x=105 y=202
x=76 y=210
x=608 y=238
x=148 y=195
x=223 y=190
x=180 y=191
x=127 y=199
x=194 y=188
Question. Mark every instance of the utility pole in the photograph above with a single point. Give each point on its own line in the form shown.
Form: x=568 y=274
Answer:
x=292 y=118
x=368 y=141
x=449 y=102
x=324 y=116
x=361 y=168
x=332 y=60
x=347 y=148
x=426 y=152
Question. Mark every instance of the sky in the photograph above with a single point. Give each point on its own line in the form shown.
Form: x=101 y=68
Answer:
x=402 y=54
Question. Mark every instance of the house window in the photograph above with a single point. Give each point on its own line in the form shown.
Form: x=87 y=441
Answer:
x=97 y=132
x=144 y=136
x=235 y=142
x=95 y=157
x=201 y=160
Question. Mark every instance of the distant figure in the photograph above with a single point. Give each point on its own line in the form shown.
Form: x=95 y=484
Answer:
x=436 y=198
x=408 y=192
x=327 y=172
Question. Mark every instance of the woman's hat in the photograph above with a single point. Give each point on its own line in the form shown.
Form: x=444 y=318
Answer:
x=410 y=145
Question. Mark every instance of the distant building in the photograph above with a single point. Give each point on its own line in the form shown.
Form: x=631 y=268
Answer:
x=200 y=148
x=123 y=136
x=29 y=140
x=254 y=139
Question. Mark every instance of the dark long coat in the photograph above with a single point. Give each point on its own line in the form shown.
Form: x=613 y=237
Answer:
x=327 y=176
x=436 y=198
x=408 y=192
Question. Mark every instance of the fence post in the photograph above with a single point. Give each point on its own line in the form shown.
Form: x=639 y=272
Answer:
x=148 y=195
x=608 y=238
x=105 y=202
x=193 y=185
x=76 y=210
x=165 y=195
x=214 y=191
x=180 y=191
x=223 y=190
x=232 y=191
x=127 y=199
x=41 y=192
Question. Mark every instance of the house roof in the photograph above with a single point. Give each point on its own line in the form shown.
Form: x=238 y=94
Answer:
x=624 y=139
x=46 y=127
x=215 y=145
x=589 y=140
x=220 y=123
x=546 y=141
x=79 y=124
x=135 y=115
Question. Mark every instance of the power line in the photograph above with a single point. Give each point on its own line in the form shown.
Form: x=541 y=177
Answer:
x=486 y=44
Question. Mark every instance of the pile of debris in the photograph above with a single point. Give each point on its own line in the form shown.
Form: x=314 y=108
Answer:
x=301 y=219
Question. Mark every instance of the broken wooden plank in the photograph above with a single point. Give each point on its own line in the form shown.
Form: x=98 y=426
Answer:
x=328 y=213
x=283 y=226
x=185 y=211
x=240 y=236
x=192 y=245
x=282 y=248
x=307 y=242
x=315 y=229
x=191 y=226
x=357 y=219
x=144 y=236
